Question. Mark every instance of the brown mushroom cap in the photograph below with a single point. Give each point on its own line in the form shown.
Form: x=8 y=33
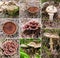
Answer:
x=33 y=9
x=9 y=28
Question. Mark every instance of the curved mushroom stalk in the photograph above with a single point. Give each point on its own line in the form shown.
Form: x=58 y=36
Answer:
x=51 y=10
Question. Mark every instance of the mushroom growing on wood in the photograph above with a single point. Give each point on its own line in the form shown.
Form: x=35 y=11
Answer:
x=51 y=10
x=51 y=36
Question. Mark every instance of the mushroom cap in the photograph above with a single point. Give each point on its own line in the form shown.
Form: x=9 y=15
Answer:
x=51 y=9
x=34 y=45
x=50 y=35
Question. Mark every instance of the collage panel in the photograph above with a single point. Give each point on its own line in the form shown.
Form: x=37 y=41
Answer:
x=51 y=14
x=30 y=48
x=9 y=48
x=9 y=28
x=51 y=43
x=9 y=9
x=30 y=28
x=30 y=10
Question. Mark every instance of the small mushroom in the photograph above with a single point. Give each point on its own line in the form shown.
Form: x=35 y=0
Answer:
x=51 y=10
x=51 y=36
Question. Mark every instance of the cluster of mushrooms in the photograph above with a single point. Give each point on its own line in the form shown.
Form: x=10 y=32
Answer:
x=31 y=29
x=10 y=8
x=9 y=47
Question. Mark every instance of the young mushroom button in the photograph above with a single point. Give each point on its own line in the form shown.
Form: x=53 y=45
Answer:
x=51 y=10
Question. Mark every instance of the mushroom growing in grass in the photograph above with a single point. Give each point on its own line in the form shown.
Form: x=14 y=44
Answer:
x=51 y=36
x=51 y=10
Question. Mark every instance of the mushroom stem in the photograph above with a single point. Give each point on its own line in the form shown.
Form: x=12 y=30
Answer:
x=51 y=44
x=51 y=16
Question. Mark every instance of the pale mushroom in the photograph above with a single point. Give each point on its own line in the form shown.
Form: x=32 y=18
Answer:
x=51 y=10
x=51 y=36
x=34 y=45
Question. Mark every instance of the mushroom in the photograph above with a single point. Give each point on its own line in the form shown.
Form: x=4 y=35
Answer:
x=34 y=45
x=10 y=47
x=9 y=28
x=51 y=36
x=51 y=10
x=31 y=29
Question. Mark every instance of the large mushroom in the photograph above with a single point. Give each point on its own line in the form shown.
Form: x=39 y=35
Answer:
x=51 y=10
x=51 y=36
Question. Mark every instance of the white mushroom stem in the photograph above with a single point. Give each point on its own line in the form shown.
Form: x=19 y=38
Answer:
x=51 y=44
x=51 y=10
x=51 y=16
